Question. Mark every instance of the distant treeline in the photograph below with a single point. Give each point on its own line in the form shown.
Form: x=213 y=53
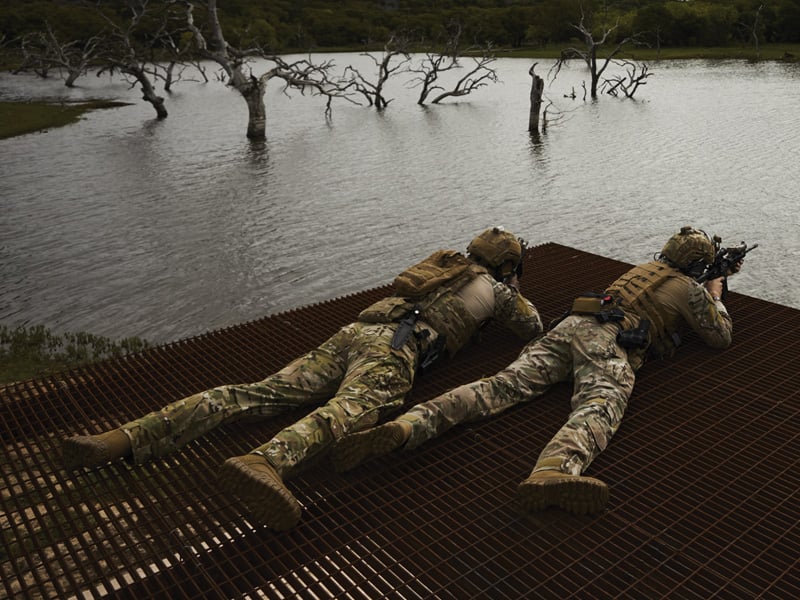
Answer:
x=317 y=24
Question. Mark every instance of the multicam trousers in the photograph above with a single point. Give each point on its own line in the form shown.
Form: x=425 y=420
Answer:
x=578 y=347
x=354 y=375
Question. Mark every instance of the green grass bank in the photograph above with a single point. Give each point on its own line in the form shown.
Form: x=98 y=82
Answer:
x=31 y=352
x=18 y=118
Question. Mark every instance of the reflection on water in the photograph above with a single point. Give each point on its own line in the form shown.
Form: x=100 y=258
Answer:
x=125 y=225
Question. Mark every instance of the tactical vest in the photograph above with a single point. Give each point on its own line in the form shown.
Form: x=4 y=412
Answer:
x=633 y=292
x=432 y=285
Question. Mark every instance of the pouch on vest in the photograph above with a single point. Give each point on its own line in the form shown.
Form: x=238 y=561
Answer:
x=387 y=310
x=441 y=267
x=601 y=306
x=591 y=304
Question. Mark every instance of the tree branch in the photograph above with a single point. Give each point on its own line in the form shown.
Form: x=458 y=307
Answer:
x=480 y=75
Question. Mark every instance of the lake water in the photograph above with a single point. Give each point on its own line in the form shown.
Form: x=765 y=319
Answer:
x=124 y=225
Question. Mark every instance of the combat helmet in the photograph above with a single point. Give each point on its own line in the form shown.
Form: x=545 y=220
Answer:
x=689 y=250
x=497 y=250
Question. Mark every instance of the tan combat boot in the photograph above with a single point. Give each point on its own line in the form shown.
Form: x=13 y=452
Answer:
x=352 y=450
x=95 y=450
x=257 y=483
x=574 y=493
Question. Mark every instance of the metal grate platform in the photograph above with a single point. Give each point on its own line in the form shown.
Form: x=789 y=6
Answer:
x=704 y=478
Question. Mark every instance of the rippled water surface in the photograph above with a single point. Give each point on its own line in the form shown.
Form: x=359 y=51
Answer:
x=123 y=225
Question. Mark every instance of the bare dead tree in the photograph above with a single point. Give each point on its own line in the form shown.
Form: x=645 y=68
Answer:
x=302 y=75
x=394 y=60
x=179 y=59
x=589 y=53
x=658 y=41
x=753 y=29
x=42 y=51
x=133 y=48
x=629 y=83
x=545 y=115
x=479 y=76
x=612 y=85
x=435 y=63
x=169 y=75
x=537 y=89
x=428 y=72
x=30 y=60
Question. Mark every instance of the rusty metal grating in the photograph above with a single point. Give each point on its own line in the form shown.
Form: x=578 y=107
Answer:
x=704 y=477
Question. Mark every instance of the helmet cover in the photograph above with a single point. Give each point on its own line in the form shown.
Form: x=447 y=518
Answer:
x=689 y=247
x=497 y=249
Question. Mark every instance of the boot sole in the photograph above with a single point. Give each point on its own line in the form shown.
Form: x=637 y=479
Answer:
x=267 y=499
x=576 y=495
x=352 y=450
x=81 y=451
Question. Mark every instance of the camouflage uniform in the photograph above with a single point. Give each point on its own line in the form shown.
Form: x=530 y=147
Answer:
x=603 y=372
x=355 y=376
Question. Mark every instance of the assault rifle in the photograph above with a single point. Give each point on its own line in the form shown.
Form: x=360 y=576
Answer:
x=725 y=260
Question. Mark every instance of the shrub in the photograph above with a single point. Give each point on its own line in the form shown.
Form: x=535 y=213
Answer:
x=29 y=352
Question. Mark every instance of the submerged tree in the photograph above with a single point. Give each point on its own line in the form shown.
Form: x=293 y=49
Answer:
x=42 y=51
x=394 y=60
x=434 y=64
x=589 y=54
x=480 y=75
x=135 y=47
x=628 y=84
x=237 y=66
x=449 y=58
x=131 y=38
x=537 y=90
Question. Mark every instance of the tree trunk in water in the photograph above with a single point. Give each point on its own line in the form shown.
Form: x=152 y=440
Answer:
x=154 y=99
x=257 y=115
x=253 y=90
x=168 y=75
x=593 y=71
x=148 y=91
x=537 y=89
x=158 y=104
x=72 y=77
